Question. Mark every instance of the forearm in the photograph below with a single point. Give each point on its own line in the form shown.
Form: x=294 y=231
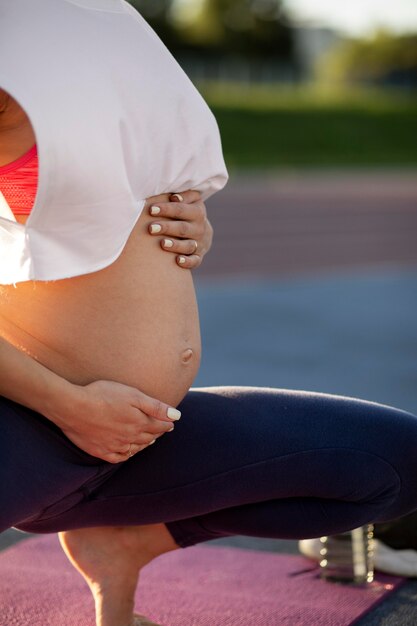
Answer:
x=24 y=380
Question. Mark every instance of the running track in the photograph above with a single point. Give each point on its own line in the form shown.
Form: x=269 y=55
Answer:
x=288 y=223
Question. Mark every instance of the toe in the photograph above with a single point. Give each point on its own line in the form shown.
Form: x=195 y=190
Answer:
x=141 y=620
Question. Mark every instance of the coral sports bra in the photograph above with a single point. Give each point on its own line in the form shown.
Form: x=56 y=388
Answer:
x=19 y=182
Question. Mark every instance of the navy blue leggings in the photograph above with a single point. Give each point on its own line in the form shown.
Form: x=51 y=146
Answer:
x=249 y=461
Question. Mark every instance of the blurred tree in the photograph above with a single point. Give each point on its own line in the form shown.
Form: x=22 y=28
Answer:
x=385 y=58
x=159 y=15
x=251 y=28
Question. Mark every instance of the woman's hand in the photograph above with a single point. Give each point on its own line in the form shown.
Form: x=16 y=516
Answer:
x=183 y=227
x=113 y=421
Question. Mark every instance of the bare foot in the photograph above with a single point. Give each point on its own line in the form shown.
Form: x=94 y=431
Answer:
x=110 y=560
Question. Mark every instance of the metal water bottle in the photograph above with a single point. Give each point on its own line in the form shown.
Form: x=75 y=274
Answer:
x=348 y=557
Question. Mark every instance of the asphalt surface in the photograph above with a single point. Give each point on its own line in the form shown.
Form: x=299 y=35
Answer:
x=312 y=284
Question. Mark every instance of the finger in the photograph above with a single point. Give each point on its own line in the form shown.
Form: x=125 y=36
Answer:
x=179 y=210
x=114 y=457
x=157 y=409
x=189 y=262
x=156 y=428
x=177 y=229
x=180 y=246
x=191 y=195
x=135 y=448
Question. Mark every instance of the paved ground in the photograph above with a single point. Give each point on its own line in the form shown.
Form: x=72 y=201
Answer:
x=313 y=285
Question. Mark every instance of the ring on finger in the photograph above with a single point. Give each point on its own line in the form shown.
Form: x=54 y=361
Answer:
x=195 y=248
x=128 y=452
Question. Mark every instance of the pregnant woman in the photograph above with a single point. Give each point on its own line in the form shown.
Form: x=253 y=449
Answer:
x=99 y=327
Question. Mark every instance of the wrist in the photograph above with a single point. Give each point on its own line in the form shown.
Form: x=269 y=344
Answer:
x=60 y=402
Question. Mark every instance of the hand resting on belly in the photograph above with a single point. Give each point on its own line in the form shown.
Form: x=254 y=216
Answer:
x=134 y=323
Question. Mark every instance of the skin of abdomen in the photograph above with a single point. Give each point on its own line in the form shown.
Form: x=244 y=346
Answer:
x=133 y=322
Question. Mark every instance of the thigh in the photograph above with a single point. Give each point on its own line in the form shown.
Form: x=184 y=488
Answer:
x=236 y=446
x=42 y=473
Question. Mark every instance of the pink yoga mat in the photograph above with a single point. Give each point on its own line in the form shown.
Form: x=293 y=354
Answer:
x=197 y=586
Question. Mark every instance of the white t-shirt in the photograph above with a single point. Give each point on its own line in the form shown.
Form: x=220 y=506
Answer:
x=116 y=120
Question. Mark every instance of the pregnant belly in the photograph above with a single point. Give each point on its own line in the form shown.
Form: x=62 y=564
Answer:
x=135 y=322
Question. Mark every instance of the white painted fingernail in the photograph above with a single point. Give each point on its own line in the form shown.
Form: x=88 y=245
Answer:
x=181 y=260
x=151 y=442
x=170 y=430
x=155 y=210
x=179 y=196
x=173 y=414
x=168 y=243
x=155 y=228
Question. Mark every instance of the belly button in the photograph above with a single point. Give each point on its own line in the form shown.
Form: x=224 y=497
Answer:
x=187 y=355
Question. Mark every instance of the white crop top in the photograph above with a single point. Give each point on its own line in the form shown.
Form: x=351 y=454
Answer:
x=116 y=120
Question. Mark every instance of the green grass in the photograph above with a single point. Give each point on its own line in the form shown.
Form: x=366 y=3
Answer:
x=280 y=127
